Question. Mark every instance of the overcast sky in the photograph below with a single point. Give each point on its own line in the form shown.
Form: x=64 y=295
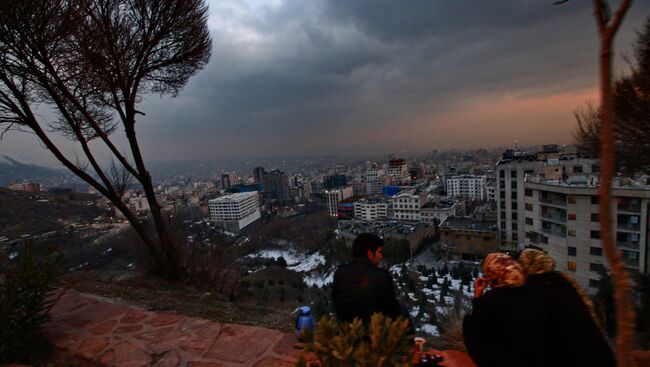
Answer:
x=299 y=77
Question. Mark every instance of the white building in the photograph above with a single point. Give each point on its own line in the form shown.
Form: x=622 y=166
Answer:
x=562 y=217
x=235 y=211
x=335 y=196
x=511 y=170
x=439 y=211
x=372 y=209
x=466 y=186
x=407 y=204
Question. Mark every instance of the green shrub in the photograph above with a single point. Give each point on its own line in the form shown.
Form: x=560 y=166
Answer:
x=383 y=343
x=25 y=299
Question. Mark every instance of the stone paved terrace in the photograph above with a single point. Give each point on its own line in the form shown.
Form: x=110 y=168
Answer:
x=102 y=332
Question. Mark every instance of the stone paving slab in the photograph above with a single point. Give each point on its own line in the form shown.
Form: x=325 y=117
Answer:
x=103 y=332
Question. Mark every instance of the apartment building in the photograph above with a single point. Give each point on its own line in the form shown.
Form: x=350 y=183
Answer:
x=334 y=197
x=467 y=186
x=439 y=211
x=228 y=180
x=398 y=169
x=373 y=208
x=512 y=169
x=407 y=204
x=235 y=211
x=468 y=239
x=562 y=217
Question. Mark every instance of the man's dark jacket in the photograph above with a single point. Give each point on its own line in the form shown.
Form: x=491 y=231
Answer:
x=361 y=289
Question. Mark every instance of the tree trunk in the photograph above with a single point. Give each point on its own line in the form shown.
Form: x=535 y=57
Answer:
x=621 y=278
x=172 y=263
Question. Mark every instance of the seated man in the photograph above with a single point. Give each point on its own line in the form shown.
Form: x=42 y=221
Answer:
x=361 y=288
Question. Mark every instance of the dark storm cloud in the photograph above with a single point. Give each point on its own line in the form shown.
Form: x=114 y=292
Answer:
x=298 y=68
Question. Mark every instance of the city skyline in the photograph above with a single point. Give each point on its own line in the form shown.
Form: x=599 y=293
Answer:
x=293 y=78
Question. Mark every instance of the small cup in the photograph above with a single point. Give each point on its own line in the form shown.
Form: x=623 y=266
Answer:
x=419 y=343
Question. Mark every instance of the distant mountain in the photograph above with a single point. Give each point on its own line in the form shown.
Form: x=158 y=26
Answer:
x=13 y=171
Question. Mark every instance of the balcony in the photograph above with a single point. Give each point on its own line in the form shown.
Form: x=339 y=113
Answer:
x=555 y=217
x=554 y=201
x=631 y=263
x=557 y=232
x=628 y=227
x=628 y=245
x=630 y=208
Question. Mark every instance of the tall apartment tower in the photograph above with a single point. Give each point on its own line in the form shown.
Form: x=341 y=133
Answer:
x=228 y=180
x=276 y=186
x=562 y=218
x=335 y=196
x=511 y=171
x=258 y=174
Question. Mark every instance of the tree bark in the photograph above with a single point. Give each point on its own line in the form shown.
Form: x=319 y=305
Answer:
x=621 y=278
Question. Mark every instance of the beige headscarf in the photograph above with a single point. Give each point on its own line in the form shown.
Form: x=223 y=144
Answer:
x=503 y=271
x=536 y=261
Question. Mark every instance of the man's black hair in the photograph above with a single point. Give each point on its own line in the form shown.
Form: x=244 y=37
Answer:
x=365 y=242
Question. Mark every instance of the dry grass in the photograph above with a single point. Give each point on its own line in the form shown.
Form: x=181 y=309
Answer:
x=163 y=296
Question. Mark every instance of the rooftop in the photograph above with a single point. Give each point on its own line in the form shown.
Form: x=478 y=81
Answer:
x=469 y=224
x=235 y=197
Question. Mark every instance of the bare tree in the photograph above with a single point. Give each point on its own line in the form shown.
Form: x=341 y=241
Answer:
x=631 y=103
x=91 y=61
x=607 y=28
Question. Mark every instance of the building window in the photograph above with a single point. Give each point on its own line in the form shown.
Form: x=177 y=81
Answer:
x=513 y=173
x=595 y=200
x=595 y=217
x=514 y=237
x=529 y=207
x=571 y=199
x=595 y=168
x=503 y=225
x=595 y=267
x=577 y=169
x=502 y=215
x=595 y=251
x=571 y=216
x=544 y=240
x=571 y=251
x=513 y=206
x=593 y=283
x=595 y=235
x=571 y=266
x=513 y=184
x=528 y=192
x=502 y=173
x=513 y=216
x=514 y=226
x=571 y=232
x=513 y=195
x=529 y=221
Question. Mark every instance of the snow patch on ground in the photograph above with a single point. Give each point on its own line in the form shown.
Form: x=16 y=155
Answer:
x=296 y=261
x=310 y=263
x=429 y=329
x=319 y=280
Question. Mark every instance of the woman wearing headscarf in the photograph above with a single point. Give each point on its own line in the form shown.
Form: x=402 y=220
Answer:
x=506 y=327
x=574 y=335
